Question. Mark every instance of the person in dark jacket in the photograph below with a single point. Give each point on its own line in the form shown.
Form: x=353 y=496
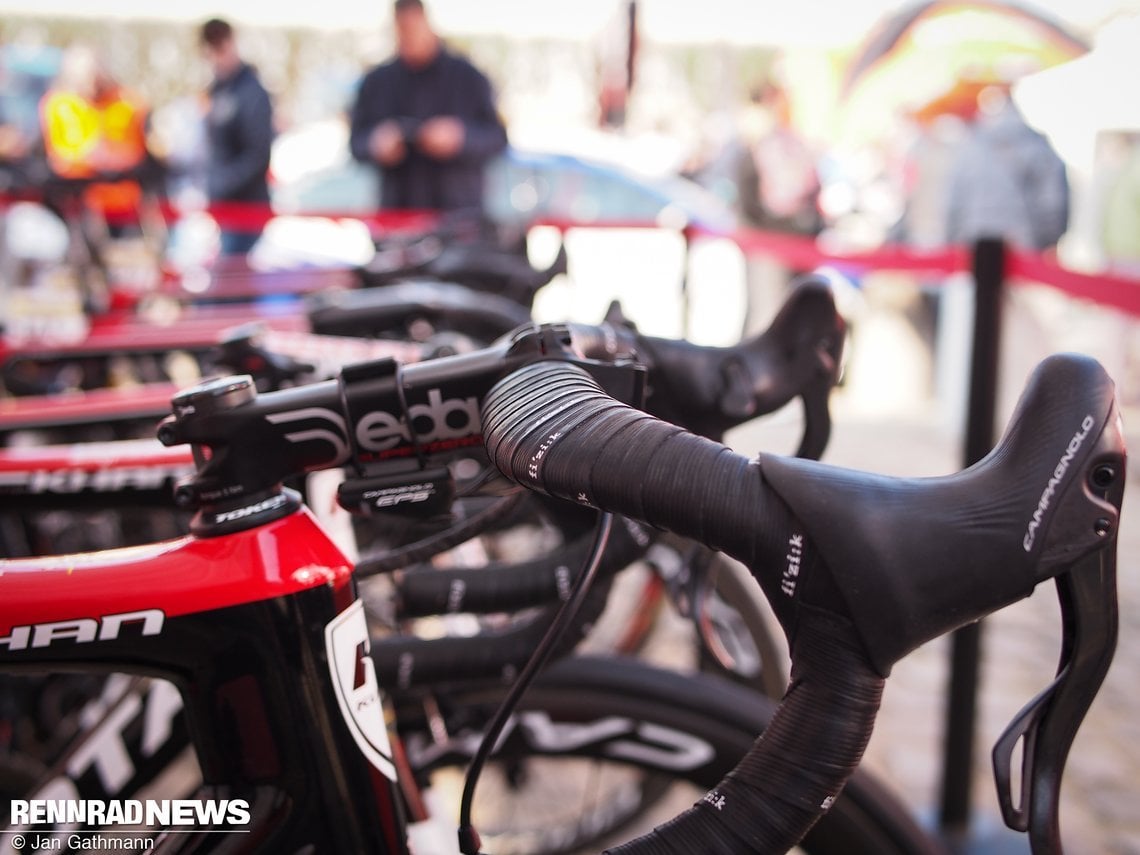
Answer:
x=239 y=130
x=1007 y=180
x=427 y=120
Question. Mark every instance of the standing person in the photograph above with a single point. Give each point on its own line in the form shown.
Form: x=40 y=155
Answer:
x=779 y=183
x=1007 y=181
x=94 y=132
x=427 y=120
x=239 y=130
x=778 y=187
x=15 y=146
x=95 y=147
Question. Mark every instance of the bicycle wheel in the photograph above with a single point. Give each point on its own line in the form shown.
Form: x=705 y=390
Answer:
x=730 y=627
x=596 y=743
x=735 y=633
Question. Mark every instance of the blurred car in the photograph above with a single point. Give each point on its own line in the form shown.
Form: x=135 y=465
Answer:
x=529 y=185
x=521 y=186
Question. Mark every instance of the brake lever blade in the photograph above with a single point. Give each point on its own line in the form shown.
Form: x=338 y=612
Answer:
x=1048 y=724
x=817 y=420
x=744 y=385
x=1025 y=725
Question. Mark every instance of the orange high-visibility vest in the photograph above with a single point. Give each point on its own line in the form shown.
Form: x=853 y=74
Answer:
x=83 y=138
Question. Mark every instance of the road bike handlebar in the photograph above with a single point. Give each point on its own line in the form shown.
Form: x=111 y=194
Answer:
x=396 y=425
x=408 y=662
x=444 y=305
x=860 y=569
x=709 y=390
x=705 y=389
x=468 y=251
x=506 y=586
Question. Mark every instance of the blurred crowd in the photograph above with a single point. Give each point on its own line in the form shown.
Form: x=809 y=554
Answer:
x=87 y=146
x=962 y=163
x=945 y=176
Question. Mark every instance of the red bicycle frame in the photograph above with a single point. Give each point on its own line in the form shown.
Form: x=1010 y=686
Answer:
x=261 y=631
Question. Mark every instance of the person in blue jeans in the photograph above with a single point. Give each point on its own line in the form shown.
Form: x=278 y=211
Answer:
x=239 y=132
x=427 y=120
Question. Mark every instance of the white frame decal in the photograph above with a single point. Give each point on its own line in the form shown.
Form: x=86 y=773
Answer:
x=356 y=688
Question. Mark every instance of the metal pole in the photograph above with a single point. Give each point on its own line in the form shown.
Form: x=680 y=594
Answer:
x=686 y=297
x=957 y=764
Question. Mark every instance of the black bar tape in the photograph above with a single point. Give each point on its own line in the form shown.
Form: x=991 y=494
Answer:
x=502 y=587
x=406 y=662
x=797 y=768
x=551 y=428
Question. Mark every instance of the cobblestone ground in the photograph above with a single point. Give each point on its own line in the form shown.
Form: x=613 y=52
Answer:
x=1020 y=647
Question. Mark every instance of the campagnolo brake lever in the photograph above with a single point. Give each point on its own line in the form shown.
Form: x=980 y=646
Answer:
x=1048 y=724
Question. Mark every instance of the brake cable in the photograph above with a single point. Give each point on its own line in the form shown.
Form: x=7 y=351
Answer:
x=469 y=842
x=431 y=545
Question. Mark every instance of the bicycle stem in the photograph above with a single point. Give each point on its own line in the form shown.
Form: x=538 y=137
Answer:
x=379 y=417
